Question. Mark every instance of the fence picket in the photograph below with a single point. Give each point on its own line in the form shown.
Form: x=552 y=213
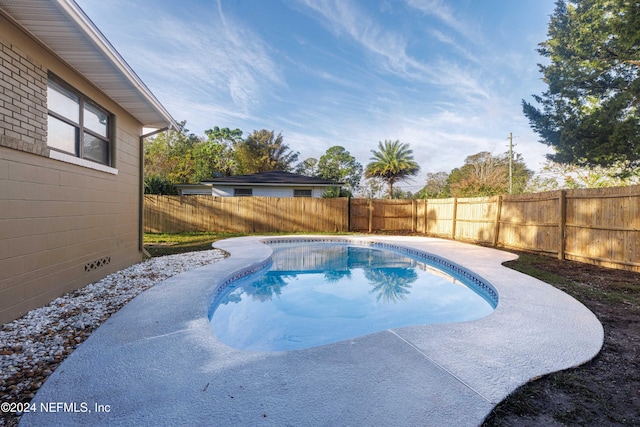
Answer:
x=599 y=226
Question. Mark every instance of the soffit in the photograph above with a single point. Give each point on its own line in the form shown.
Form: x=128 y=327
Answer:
x=62 y=27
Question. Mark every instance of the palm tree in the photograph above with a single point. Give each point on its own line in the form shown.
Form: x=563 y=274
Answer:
x=392 y=162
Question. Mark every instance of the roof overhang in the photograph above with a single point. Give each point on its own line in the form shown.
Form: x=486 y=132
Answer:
x=64 y=29
x=267 y=184
x=272 y=179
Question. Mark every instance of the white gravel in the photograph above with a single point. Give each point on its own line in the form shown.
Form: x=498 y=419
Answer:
x=34 y=345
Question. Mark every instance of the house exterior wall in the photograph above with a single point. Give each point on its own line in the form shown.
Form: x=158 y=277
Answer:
x=62 y=225
x=194 y=189
x=265 y=191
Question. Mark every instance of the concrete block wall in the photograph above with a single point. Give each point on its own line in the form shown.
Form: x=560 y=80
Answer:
x=62 y=225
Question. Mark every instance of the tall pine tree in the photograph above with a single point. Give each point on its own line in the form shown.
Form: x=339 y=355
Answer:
x=589 y=113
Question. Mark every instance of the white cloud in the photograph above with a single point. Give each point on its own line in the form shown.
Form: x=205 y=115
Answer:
x=213 y=68
x=450 y=41
x=343 y=17
x=467 y=83
x=443 y=13
x=214 y=58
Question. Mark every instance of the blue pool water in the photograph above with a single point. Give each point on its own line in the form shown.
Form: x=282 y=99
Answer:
x=315 y=293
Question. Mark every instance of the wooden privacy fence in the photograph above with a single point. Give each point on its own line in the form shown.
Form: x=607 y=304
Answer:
x=176 y=214
x=599 y=226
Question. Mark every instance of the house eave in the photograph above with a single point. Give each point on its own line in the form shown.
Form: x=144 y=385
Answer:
x=259 y=184
x=65 y=30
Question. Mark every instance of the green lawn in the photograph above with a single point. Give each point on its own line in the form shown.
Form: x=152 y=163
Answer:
x=158 y=244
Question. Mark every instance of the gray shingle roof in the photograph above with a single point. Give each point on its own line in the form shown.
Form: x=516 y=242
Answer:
x=273 y=177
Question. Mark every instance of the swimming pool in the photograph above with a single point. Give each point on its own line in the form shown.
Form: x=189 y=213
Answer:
x=157 y=359
x=321 y=292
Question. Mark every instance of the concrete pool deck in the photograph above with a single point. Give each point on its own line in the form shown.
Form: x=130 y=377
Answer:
x=157 y=362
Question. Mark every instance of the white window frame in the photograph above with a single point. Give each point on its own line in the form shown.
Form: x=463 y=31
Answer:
x=303 y=192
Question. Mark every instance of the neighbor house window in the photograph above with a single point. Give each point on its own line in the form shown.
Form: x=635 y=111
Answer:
x=243 y=192
x=301 y=193
x=76 y=125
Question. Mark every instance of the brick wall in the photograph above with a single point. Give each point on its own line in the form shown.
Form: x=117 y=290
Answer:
x=23 y=102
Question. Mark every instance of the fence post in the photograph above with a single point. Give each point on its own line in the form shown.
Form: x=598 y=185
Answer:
x=414 y=215
x=562 y=201
x=455 y=215
x=497 y=225
x=425 y=217
x=370 y=215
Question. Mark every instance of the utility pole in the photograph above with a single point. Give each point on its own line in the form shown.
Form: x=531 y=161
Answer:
x=510 y=162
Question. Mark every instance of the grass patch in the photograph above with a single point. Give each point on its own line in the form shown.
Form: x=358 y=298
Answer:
x=530 y=264
x=159 y=244
x=622 y=293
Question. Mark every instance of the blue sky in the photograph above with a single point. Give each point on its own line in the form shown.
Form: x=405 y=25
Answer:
x=445 y=76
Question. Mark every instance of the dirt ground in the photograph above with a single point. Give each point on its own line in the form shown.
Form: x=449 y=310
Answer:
x=606 y=390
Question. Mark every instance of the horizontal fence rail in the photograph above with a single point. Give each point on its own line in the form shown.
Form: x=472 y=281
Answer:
x=598 y=226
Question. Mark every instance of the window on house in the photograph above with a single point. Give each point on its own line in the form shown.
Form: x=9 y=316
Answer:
x=301 y=193
x=76 y=125
x=243 y=192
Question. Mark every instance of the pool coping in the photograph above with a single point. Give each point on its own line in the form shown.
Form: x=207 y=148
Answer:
x=156 y=361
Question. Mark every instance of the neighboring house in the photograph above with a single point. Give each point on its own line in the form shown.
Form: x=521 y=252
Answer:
x=193 y=189
x=270 y=184
x=72 y=114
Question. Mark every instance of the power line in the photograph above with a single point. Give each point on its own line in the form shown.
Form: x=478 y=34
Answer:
x=510 y=162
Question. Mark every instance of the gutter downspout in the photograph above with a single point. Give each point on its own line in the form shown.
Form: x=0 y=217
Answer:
x=141 y=190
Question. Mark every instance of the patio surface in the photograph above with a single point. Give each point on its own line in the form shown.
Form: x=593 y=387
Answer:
x=157 y=362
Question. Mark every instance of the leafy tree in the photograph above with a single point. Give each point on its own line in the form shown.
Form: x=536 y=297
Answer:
x=170 y=155
x=556 y=175
x=436 y=186
x=181 y=157
x=262 y=151
x=372 y=188
x=399 y=193
x=486 y=175
x=589 y=113
x=155 y=184
x=392 y=162
x=215 y=157
x=224 y=136
x=337 y=164
x=336 y=191
x=308 y=167
x=212 y=159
